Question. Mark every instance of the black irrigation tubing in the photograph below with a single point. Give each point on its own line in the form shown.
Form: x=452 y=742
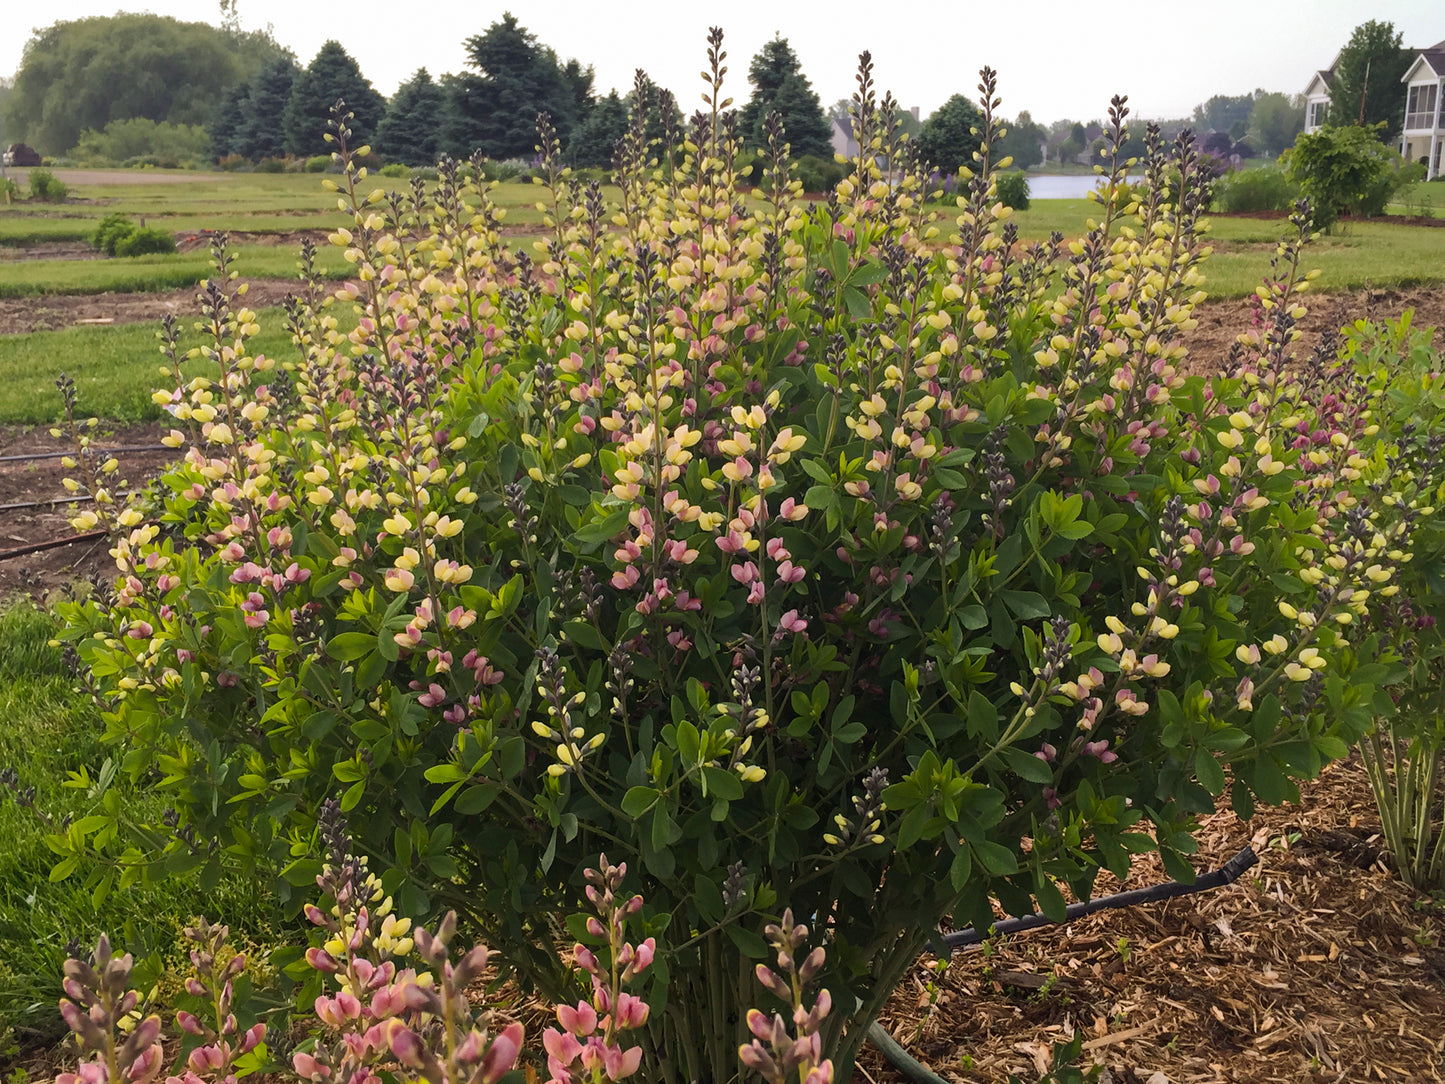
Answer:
x=51 y=502
x=54 y=543
x=1228 y=873
x=97 y=451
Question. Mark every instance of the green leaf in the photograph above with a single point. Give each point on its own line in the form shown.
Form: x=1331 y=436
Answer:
x=1208 y=772
x=1051 y=900
x=638 y=800
x=750 y=944
x=722 y=784
x=994 y=857
x=1027 y=766
x=347 y=646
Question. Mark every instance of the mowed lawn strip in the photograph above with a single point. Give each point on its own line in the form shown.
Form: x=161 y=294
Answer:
x=115 y=368
x=50 y=732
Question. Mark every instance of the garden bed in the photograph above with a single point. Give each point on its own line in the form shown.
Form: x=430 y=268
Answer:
x=1317 y=965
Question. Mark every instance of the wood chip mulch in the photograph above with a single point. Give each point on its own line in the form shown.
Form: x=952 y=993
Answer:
x=1317 y=965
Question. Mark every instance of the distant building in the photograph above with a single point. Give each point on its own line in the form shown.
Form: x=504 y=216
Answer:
x=18 y=154
x=844 y=142
x=1422 y=136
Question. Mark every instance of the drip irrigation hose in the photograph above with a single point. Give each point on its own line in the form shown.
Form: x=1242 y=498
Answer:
x=30 y=457
x=1228 y=873
x=54 y=543
x=51 y=502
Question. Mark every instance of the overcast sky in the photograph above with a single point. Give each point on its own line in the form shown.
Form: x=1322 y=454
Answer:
x=1055 y=58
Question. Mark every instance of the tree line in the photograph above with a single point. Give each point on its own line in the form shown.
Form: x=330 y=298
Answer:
x=256 y=101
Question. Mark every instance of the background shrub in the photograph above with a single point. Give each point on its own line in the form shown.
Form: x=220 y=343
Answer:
x=1347 y=170
x=394 y=169
x=110 y=230
x=46 y=187
x=1264 y=188
x=319 y=163
x=141 y=139
x=271 y=165
x=817 y=174
x=1013 y=189
x=145 y=241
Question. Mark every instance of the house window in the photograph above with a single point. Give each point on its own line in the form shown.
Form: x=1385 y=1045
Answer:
x=1317 y=114
x=1420 y=106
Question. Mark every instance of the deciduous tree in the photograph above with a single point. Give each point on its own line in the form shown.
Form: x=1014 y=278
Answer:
x=1275 y=121
x=88 y=72
x=950 y=135
x=1366 y=89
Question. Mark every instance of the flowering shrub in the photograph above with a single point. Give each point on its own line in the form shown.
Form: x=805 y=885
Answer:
x=837 y=560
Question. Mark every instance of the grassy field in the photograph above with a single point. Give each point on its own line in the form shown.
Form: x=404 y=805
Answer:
x=115 y=367
x=50 y=732
x=240 y=202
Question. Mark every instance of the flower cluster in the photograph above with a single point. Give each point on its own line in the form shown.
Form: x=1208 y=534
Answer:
x=589 y=1047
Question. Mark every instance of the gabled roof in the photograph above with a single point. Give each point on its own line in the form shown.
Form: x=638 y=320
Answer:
x=1323 y=78
x=1433 y=58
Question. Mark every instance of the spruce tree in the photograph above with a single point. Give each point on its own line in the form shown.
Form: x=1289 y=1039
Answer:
x=332 y=75
x=228 y=127
x=779 y=86
x=495 y=109
x=410 y=130
x=592 y=143
x=263 y=134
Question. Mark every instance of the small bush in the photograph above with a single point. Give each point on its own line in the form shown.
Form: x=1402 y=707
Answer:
x=9 y=190
x=393 y=169
x=1263 y=189
x=45 y=187
x=1347 y=171
x=318 y=163
x=109 y=232
x=271 y=165
x=145 y=241
x=819 y=174
x=1013 y=189
x=426 y=173
x=231 y=162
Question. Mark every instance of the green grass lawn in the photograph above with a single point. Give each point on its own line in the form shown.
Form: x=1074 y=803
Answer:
x=144 y=274
x=50 y=731
x=240 y=202
x=115 y=368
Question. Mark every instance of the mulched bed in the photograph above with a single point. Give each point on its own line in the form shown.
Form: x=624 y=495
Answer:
x=1317 y=965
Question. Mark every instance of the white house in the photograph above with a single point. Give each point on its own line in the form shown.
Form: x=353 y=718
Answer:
x=1423 y=137
x=1317 y=97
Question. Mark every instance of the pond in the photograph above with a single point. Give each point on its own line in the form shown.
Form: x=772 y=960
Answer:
x=1063 y=186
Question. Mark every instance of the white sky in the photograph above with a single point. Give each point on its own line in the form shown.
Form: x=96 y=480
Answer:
x=1055 y=58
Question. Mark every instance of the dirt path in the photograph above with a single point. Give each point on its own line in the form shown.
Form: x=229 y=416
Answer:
x=52 y=311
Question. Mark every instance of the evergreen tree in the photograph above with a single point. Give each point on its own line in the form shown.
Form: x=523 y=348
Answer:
x=410 y=130
x=592 y=143
x=495 y=109
x=263 y=134
x=950 y=135
x=1366 y=88
x=779 y=86
x=580 y=81
x=331 y=75
x=228 y=127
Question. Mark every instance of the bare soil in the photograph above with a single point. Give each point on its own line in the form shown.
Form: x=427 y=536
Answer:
x=53 y=311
